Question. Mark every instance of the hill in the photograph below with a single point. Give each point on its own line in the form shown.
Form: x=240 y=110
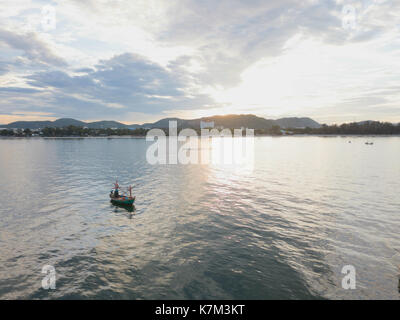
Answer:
x=105 y=125
x=297 y=123
x=164 y=123
x=29 y=124
x=64 y=122
x=226 y=121
x=242 y=120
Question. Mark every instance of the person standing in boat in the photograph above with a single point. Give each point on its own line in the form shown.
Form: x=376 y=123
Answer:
x=116 y=187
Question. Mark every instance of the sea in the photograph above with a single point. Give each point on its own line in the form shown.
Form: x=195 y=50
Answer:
x=313 y=218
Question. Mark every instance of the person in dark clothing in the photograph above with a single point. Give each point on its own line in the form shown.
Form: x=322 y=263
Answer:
x=116 y=187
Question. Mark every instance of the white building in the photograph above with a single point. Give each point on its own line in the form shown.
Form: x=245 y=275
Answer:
x=206 y=124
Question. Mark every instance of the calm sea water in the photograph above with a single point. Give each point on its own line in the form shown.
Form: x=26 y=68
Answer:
x=311 y=206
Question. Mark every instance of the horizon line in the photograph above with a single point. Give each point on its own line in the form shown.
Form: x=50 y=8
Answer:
x=53 y=119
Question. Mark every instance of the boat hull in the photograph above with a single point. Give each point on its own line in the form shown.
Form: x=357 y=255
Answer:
x=123 y=201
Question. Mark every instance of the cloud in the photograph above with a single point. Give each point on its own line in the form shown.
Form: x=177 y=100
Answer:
x=126 y=82
x=3 y=68
x=18 y=90
x=230 y=36
x=61 y=80
x=153 y=57
x=33 y=49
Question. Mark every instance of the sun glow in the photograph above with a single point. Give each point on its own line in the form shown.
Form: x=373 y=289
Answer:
x=26 y=116
x=307 y=76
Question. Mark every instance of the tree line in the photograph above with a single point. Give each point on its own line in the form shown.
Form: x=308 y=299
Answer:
x=73 y=131
x=365 y=128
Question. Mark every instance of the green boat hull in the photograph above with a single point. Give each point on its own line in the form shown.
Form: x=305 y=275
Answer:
x=126 y=202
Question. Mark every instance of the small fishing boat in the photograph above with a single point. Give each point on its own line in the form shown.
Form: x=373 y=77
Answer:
x=121 y=199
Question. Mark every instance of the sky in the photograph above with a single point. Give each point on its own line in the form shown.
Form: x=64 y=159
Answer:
x=142 y=60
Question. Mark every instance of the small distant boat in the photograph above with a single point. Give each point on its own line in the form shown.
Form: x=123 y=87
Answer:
x=369 y=143
x=117 y=198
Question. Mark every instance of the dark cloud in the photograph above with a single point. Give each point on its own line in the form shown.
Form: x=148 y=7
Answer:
x=17 y=90
x=61 y=80
x=128 y=82
x=130 y=73
x=84 y=70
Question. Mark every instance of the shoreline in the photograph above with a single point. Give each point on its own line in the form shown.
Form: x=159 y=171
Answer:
x=257 y=135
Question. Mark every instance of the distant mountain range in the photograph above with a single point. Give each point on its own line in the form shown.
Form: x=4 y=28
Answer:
x=65 y=122
x=226 y=121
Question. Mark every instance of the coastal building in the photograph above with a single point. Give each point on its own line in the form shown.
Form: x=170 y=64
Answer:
x=206 y=124
x=286 y=132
